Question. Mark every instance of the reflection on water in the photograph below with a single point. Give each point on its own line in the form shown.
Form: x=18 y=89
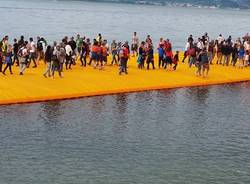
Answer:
x=51 y=111
x=187 y=135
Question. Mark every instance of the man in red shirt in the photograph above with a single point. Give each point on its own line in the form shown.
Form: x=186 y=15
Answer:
x=124 y=55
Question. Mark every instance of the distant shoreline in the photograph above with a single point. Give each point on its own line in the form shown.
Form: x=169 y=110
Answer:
x=160 y=3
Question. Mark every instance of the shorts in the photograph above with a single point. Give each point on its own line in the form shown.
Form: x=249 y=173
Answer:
x=134 y=47
x=168 y=60
x=205 y=66
x=94 y=56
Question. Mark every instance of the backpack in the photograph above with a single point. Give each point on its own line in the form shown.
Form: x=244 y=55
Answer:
x=39 y=46
x=20 y=52
x=125 y=52
x=192 y=52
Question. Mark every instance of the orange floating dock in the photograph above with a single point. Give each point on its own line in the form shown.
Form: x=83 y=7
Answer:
x=87 y=81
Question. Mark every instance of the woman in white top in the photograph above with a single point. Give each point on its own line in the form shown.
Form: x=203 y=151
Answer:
x=69 y=52
x=135 y=44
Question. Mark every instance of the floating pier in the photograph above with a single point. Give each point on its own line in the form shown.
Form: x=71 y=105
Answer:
x=87 y=81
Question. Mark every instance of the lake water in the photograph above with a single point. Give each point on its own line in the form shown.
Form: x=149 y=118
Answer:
x=55 y=19
x=190 y=135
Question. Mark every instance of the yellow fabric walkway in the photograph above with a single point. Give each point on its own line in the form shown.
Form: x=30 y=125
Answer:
x=81 y=81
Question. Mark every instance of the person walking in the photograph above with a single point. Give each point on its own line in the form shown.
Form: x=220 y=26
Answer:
x=48 y=59
x=24 y=56
x=124 y=56
x=32 y=52
x=8 y=60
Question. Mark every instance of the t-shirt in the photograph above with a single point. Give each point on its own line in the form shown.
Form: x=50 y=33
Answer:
x=135 y=40
x=160 y=51
x=79 y=42
x=8 y=58
x=32 y=47
x=15 y=48
x=200 y=45
x=204 y=58
x=187 y=46
x=241 y=53
x=68 y=50
x=246 y=58
x=124 y=52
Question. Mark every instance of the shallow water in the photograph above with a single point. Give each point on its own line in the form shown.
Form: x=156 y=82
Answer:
x=189 y=135
x=55 y=19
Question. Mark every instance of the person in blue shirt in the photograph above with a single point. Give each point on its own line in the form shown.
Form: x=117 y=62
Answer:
x=241 y=54
x=161 y=56
x=141 y=56
x=8 y=60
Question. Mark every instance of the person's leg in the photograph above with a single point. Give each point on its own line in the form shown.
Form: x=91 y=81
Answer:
x=90 y=61
x=234 y=60
x=46 y=70
x=85 y=60
x=20 y=67
x=153 y=63
x=5 y=68
x=159 y=62
x=101 y=64
x=59 y=73
x=203 y=70
x=23 y=67
x=147 y=63
x=1 y=66
x=221 y=58
x=33 y=59
x=143 y=62
x=28 y=61
x=227 y=60
x=175 y=66
x=211 y=58
x=121 y=67
x=53 y=71
x=15 y=59
x=81 y=59
x=184 y=57
x=70 y=62
x=113 y=58
x=198 y=72
x=190 y=62
x=67 y=62
x=10 y=68
x=207 y=70
x=66 y=65
x=165 y=63
x=125 y=66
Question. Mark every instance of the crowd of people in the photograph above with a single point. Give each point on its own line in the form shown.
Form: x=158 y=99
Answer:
x=226 y=51
x=62 y=55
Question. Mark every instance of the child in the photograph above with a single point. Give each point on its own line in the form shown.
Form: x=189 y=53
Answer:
x=241 y=56
x=141 y=56
x=160 y=55
x=114 y=52
x=8 y=60
x=176 y=60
